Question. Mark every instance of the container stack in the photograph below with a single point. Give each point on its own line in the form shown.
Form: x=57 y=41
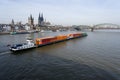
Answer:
x=54 y=39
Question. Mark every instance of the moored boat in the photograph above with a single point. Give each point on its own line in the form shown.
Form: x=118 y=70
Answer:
x=12 y=33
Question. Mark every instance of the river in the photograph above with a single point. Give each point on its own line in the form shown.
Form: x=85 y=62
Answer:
x=95 y=57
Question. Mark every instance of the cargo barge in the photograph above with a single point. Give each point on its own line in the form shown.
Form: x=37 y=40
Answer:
x=45 y=41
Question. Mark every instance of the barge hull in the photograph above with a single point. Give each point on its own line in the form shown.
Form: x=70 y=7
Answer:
x=83 y=35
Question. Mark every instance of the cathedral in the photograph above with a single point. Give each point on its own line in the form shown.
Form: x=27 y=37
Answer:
x=40 y=20
x=31 y=20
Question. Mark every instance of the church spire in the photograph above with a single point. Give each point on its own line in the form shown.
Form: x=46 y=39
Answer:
x=39 y=16
x=42 y=15
x=40 y=19
x=12 y=22
x=31 y=20
x=30 y=16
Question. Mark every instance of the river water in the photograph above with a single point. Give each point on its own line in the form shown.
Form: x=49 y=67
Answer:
x=95 y=57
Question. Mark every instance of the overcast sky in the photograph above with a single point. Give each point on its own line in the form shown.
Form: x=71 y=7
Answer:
x=64 y=12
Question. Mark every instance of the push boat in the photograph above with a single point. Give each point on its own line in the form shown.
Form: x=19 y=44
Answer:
x=45 y=41
x=28 y=45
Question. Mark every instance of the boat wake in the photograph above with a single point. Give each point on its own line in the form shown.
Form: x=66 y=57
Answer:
x=3 y=53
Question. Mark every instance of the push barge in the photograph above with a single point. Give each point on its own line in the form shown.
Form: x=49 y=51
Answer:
x=45 y=41
x=28 y=45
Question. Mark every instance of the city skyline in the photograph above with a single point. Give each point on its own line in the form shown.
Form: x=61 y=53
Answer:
x=63 y=12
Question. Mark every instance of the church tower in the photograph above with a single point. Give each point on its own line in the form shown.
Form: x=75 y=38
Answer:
x=12 y=22
x=31 y=20
x=40 y=20
x=12 y=25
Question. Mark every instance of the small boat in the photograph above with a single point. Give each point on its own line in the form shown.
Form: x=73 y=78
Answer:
x=12 y=33
x=17 y=47
x=45 y=31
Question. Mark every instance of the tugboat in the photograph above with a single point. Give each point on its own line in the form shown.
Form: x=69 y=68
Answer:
x=18 y=47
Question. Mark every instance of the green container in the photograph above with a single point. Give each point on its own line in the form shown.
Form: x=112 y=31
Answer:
x=84 y=34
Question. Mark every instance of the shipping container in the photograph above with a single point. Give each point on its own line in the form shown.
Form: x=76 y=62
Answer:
x=46 y=40
x=49 y=40
x=61 y=37
x=74 y=35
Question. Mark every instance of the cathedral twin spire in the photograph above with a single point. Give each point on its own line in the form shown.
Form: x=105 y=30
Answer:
x=30 y=20
x=40 y=20
x=40 y=16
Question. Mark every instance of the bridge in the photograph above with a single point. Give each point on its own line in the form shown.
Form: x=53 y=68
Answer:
x=102 y=26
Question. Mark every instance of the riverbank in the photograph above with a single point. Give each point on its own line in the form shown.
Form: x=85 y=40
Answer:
x=18 y=32
x=4 y=33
